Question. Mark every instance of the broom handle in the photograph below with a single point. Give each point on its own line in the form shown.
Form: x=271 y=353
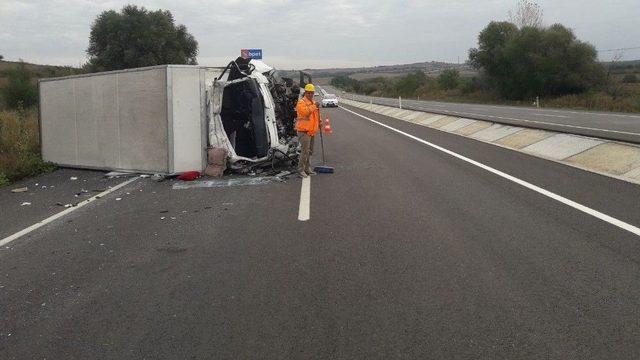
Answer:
x=322 y=146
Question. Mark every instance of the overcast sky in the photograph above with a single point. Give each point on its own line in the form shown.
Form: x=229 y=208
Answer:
x=313 y=34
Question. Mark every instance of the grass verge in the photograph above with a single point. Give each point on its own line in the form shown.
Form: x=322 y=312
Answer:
x=20 y=146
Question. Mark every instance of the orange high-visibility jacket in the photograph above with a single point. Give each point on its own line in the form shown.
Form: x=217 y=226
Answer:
x=308 y=117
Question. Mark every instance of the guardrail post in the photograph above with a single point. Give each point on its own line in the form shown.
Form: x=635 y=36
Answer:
x=400 y=101
x=538 y=102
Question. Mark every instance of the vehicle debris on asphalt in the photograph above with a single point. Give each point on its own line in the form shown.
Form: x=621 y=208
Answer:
x=243 y=181
x=20 y=190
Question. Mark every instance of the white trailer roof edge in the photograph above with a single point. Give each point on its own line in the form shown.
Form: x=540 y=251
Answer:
x=128 y=71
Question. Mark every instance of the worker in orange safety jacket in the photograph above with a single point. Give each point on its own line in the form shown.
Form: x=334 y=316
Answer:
x=307 y=125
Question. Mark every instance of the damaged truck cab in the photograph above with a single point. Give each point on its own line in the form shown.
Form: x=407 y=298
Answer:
x=244 y=119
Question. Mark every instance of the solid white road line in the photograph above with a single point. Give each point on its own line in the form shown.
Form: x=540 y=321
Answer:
x=558 y=116
x=304 y=212
x=587 y=210
x=44 y=222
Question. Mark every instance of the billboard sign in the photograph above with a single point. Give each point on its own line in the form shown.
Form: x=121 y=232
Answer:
x=251 y=54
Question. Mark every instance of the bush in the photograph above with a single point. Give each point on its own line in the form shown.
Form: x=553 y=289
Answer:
x=346 y=83
x=19 y=145
x=449 y=79
x=630 y=79
x=20 y=90
x=408 y=85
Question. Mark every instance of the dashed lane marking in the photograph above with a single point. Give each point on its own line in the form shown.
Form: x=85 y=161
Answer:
x=304 y=210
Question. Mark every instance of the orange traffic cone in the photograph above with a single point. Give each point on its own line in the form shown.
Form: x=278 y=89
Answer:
x=327 y=126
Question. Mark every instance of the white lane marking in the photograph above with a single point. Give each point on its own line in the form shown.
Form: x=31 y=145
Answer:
x=44 y=222
x=558 y=116
x=587 y=210
x=304 y=212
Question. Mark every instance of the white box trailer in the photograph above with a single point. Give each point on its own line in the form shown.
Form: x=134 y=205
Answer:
x=149 y=119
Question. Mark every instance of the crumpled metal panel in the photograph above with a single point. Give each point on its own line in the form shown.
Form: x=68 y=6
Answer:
x=217 y=136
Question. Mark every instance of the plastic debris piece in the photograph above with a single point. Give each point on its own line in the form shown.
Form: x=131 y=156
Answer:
x=189 y=176
x=66 y=205
x=73 y=178
x=162 y=218
x=144 y=176
x=116 y=174
x=20 y=190
x=118 y=199
x=25 y=203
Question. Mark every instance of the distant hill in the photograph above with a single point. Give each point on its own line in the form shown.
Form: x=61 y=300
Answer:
x=432 y=68
x=39 y=71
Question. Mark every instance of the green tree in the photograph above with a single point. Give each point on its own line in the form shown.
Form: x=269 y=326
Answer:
x=449 y=79
x=137 y=37
x=523 y=63
x=20 y=90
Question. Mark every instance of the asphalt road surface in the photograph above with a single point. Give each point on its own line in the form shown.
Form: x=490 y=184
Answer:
x=409 y=253
x=616 y=126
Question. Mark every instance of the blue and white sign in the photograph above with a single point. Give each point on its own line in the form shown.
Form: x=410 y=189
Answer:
x=251 y=54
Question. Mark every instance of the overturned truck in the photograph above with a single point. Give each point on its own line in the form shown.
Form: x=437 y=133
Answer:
x=163 y=119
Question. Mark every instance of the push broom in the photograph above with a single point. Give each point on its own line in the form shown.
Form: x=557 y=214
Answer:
x=324 y=169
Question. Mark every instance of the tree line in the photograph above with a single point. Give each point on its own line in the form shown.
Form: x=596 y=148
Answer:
x=133 y=37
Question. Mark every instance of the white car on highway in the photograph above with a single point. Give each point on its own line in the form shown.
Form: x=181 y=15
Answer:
x=329 y=100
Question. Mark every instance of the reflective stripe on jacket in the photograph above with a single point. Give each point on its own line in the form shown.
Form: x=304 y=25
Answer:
x=308 y=116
